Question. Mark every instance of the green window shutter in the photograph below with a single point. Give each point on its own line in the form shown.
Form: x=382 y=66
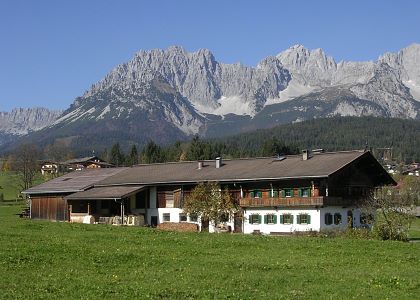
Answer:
x=292 y=192
x=265 y=219
x=251 y=219
x=275 y=194
x=283 y=193
x=300 y=192
x=298 y=219
x=251 y=194
x=326 y=219
x=309 y=219
x=275 y=219
x=259 y=219
x=281 y=219
x=259 y=193
x=291 y=219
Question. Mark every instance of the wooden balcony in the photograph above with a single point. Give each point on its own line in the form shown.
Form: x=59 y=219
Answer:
x=293 y=201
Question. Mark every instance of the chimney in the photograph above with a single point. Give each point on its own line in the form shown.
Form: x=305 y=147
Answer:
x=305 y=154
x=218 y=162
x=200 y=164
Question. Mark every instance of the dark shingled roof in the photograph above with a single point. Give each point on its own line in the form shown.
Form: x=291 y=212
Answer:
x=319 y=165
x=106 y=192
x=73 y=182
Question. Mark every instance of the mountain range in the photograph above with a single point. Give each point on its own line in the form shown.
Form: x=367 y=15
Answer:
x=171 y=94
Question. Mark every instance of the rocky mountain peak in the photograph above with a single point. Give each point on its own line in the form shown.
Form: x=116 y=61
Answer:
x=20 y=121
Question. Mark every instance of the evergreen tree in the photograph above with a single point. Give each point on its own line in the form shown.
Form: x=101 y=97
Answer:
x=198 y=150
x=117 y=157
x=152 y=153
x=133 y=158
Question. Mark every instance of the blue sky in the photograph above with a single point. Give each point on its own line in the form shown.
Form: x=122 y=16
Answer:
x=52 y=51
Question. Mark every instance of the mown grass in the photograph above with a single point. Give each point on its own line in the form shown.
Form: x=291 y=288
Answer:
x=415 y=229
x=61 y=260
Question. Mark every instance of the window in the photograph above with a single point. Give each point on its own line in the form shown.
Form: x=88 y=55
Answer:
x=287 y=193
x=305 y=192
x=337 y=218
x=255 y=194
x=193 y=218
x=270 y=219
x=286 y=219
x=166 y=217
x=366 y=218
x=328 y=219
x=254 y=219
x=182 y=218
x=303 y=219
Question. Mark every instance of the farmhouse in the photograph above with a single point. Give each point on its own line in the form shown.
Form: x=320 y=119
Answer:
x=312 y=191
x=89 y=162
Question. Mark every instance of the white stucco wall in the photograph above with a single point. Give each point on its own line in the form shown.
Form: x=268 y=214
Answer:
x=285 y=228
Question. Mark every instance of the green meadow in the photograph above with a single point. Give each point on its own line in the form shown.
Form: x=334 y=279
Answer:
x=61 y=260
x=10 y=185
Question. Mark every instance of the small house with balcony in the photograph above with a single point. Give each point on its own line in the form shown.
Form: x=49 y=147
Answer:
x=287 y=194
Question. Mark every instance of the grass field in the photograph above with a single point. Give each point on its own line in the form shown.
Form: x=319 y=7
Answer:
x=415 y=229
x=9 y=183
x=62 y=260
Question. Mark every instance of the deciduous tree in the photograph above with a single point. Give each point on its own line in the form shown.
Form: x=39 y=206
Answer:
x=209 y=202
x=26 y=164
x=394 y=207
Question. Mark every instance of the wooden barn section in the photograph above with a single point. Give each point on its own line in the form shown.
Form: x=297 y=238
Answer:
x=49 y=207
x=47 y=200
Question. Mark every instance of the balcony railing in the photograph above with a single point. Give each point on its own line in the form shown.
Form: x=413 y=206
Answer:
x=293 y=201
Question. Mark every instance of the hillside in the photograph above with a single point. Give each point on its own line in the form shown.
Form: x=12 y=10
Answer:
x=339 y=133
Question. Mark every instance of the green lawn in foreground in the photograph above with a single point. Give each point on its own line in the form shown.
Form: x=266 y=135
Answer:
x=62 y=260
x=415 y=229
